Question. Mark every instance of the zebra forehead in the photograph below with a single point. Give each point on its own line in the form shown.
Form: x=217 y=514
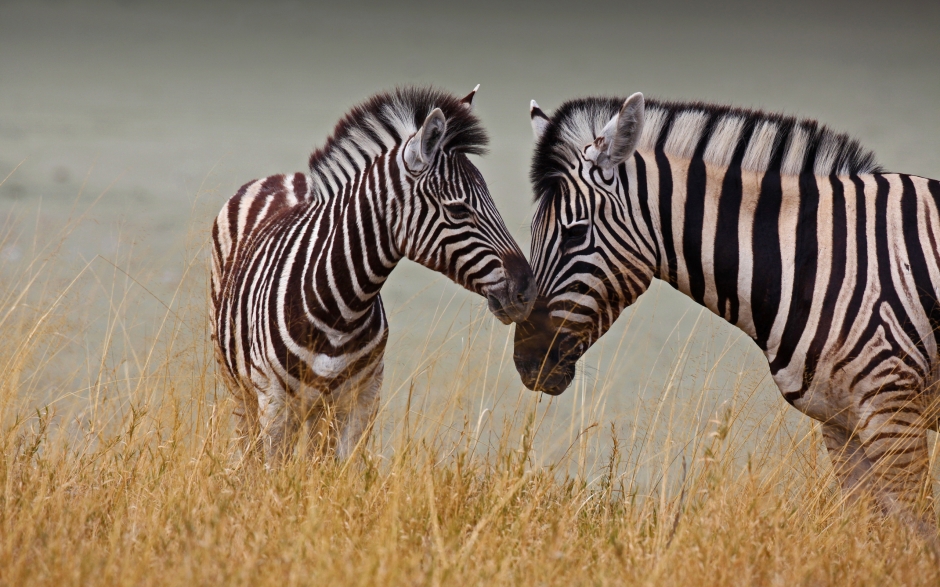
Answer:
x=390 y=118
x=761 y=141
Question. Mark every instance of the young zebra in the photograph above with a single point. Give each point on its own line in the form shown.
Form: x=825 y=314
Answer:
x=298 y=263
x=784 y=228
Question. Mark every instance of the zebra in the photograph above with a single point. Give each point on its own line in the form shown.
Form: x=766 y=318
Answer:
x=786 y=229
x=298 y=263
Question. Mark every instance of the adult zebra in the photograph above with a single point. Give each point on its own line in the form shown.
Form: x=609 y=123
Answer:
x=786 y=229
x=298 y=262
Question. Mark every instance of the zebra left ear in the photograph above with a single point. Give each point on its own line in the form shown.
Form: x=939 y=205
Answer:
x=468 y=99
x=421 y=148
x=620 y=137
x=539 y=119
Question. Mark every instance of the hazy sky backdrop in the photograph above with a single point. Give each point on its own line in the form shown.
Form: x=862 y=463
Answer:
x=168 y=107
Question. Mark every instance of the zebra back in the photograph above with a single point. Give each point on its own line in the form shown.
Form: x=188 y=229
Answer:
x=252 y=205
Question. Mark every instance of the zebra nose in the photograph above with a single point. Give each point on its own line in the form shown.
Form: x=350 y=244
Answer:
x=524 y=295
x=520 y=290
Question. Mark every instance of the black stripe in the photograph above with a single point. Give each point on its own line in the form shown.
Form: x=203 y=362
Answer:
x=727 y=251
x=642 y=193
x=889 y=292
x=834 y=287
x=692 y=228
x=861 y=272
x=641 y=245
x=804 y=273
x=884 y=269
x=665 y=215
x=768 y=265
x=915 y=254
x=780 y=145
x=809 y=158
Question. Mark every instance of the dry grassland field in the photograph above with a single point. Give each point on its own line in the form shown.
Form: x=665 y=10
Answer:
x=671 y=460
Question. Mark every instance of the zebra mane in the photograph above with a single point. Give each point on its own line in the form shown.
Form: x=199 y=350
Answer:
x=388 y=119
x=721 y=135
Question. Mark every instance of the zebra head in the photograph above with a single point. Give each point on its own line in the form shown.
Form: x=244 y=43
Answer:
x=449 y=222
x=589 y=259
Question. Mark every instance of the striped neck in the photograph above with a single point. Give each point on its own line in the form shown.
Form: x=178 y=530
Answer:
x=728 y=238
x=353 y=245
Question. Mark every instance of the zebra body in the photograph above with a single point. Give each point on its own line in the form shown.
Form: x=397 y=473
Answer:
x=785 y=229
x=298 y=263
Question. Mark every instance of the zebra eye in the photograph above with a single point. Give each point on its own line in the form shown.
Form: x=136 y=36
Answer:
x=458 y=211
x=572 y=235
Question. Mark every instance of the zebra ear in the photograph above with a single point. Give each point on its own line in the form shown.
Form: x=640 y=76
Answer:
x=422 y=146
x=468 y=99
x=539 y=120
x=620 y=137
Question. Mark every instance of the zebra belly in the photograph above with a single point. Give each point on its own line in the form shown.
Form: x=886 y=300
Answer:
x=876 y=358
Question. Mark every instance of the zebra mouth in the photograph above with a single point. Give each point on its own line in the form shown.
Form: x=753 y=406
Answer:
x=545 y=359
x=554 y=371
x=550 y=379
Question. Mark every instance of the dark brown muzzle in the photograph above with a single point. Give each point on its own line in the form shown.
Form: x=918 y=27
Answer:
x=545 y=358
x=514 y=300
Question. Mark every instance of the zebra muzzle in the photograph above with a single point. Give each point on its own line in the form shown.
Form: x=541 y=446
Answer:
x=507 y=313
x=513 y=301
x=545 y=358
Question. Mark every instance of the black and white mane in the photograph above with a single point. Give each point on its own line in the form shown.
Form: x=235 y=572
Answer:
x=721 y=135
x=388 y=119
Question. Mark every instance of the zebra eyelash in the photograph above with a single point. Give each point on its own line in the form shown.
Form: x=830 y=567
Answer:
x=459 y=210
x=575 y=233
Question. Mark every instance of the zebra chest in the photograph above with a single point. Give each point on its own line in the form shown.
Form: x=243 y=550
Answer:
x=315 y=348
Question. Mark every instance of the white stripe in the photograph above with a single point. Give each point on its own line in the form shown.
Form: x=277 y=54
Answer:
x=724 y=140
x=685 y=134
x=759 y=150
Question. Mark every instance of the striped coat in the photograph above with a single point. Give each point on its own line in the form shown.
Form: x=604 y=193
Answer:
x=787 y=230
x=299 y=261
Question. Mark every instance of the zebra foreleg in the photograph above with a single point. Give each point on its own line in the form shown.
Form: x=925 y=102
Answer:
x=894 y=439
x=247 y=423
x=360 y=415
x=279 y=424
x=849 y=462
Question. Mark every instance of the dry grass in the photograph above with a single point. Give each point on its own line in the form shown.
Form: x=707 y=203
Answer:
x=117 y=467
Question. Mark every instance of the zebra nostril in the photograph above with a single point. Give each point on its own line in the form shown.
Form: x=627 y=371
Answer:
x=494 y=303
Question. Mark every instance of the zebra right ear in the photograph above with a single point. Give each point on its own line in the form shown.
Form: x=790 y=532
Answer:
x=620 y=137
x=424 y=144
x=539 y=120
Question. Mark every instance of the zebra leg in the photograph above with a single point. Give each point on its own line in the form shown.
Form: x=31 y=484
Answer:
x=247 y=423
x=849 y=461
x=894 y=438
x=278 y=423
x=317 y=421
x=358 y=420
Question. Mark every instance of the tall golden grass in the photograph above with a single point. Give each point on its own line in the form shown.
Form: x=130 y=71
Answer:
x=118 y=465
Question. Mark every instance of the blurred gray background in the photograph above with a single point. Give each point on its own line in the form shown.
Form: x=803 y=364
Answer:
x=166 y=108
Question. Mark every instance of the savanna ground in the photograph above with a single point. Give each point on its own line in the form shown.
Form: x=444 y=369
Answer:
x=118 y=465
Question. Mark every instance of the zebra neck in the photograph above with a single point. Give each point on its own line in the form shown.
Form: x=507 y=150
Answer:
x=351 y=244
x=728 y=238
